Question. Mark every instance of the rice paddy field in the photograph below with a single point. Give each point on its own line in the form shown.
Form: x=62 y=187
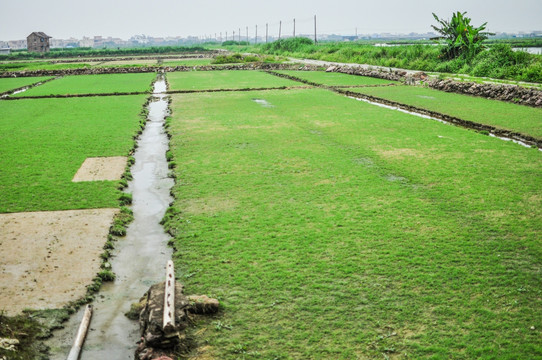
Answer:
x=521 y=118
x=8 y=84
x=330 y=228
x=93 y=84
x=45 y=141
x=228 y=79
x=335 y=78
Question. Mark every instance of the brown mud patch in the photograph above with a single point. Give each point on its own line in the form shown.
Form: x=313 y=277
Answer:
x=48 y=258
x=101 y=168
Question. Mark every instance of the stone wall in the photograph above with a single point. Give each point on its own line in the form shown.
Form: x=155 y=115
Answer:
x=504 y=92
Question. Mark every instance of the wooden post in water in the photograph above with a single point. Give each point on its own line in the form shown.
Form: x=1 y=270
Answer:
x=169 y=298
x=81 y=334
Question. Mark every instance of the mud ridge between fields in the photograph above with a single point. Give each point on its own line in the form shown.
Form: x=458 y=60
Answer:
x=530 y=140
x=147 y=93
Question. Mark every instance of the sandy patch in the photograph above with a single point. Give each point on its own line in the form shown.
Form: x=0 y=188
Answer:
x=101 y=168
x=47 y=258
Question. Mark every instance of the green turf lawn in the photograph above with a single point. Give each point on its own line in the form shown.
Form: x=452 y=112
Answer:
x=94 y=84
x=334 y=229
x=45 y=141
x=39 y=65
x=187 y=62
x=7 y=84
x=336 y=79
x=227 y=79
x=523 y=119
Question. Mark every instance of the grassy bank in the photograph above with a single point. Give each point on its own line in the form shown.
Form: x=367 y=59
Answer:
x=498 y=62
x=331 y=228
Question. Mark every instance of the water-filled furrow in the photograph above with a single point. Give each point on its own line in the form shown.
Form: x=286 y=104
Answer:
x=140 y=257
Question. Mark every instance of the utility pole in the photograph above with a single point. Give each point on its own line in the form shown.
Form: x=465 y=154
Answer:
x=239 y=35
x=266 y=32
x=315 y=40
x=256 y=37
x=247 y=35
x=226 y=36
x=280 y=27
x=233 y=36
x=356 y=33
x=294 y=27
x=221 y=36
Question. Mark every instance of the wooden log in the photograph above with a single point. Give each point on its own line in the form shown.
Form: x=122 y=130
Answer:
x=169 y=298
x=81 y=334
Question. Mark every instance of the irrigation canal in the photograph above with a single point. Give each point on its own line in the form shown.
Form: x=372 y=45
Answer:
x=139 y=258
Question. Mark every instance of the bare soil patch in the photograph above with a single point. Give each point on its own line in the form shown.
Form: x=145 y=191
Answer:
x=101 y=168
x=48 y=258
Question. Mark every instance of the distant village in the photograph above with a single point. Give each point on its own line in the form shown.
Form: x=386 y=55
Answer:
x=143 y=40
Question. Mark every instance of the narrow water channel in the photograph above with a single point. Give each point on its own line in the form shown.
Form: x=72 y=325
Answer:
x=139 y=258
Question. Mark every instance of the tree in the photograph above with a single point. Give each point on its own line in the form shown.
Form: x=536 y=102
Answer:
x=462 y=39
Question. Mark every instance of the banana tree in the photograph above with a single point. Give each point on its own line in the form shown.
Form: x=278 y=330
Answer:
x=462 y=39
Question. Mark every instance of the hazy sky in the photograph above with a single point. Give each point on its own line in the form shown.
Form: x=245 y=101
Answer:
x=123 y=18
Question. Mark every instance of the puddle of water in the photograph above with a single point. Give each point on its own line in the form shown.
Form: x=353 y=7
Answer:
x=264 y=103
x=139 y=258
x=513 y=140
x=399 y=109
x=18 y=91
x=433 y=118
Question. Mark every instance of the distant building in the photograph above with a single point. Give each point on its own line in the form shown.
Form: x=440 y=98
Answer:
x=38 y=42
x=5 y=51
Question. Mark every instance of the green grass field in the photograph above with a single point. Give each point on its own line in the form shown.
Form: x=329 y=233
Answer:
x=187 y=62
x=523 y=119
x=45 y=141
x=205 y=80
x=94 y=84
x=39 y=65
x=336 y=79
x=7 y=84
x=334 y=229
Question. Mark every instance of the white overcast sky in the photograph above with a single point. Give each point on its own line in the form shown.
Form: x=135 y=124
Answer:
x=62 y=19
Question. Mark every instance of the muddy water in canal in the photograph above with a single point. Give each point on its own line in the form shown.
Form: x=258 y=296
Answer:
x=139 y=258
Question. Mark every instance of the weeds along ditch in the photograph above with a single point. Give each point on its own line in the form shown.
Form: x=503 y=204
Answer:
x=331 y=228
